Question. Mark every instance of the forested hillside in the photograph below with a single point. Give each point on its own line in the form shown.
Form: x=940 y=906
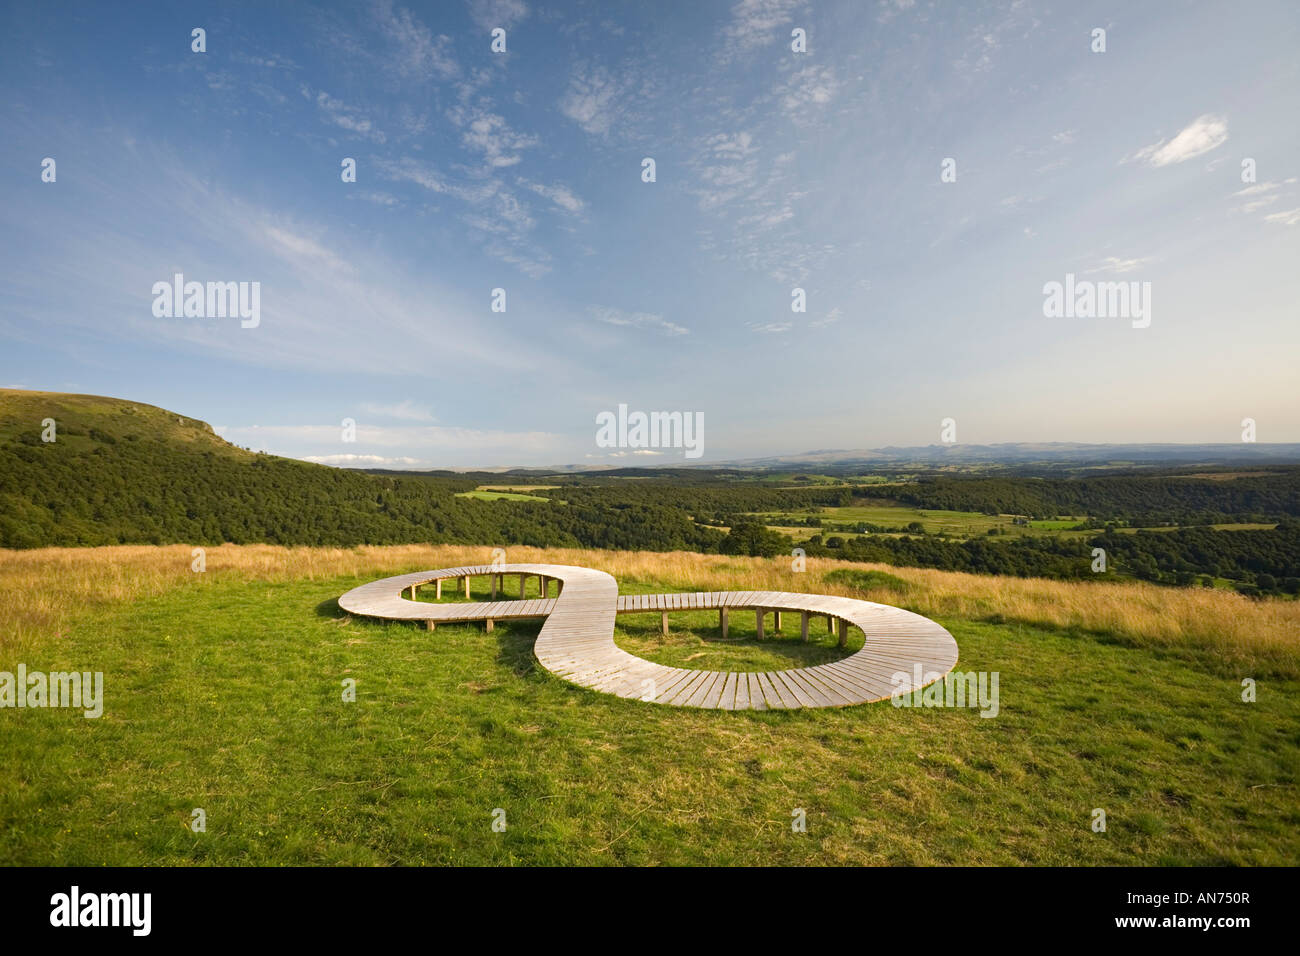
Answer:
x=121 y=473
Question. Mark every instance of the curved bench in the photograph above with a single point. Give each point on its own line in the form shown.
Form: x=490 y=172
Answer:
x=901 y=651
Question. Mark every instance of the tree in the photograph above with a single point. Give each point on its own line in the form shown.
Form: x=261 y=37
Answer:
x=755 y=539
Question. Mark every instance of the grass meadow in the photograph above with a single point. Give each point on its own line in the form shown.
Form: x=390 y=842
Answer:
x=955 y=524
x=485 y=495
x=223 y=691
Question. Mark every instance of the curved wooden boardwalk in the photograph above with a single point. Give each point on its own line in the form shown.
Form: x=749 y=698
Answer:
x=576 y=641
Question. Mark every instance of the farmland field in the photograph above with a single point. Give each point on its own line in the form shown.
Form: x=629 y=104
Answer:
x=886 y=514
x=485 y=495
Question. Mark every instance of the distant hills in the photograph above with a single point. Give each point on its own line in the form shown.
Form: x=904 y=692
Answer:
x=80 y=418
x=1016 y=453
x=1071 y=456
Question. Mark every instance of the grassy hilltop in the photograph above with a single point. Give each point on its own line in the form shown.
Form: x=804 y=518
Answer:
x=85 y=422
x=222 y=691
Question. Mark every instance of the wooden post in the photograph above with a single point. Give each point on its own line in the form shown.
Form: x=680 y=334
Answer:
x=429 y=625
x=466 y=580
x=488 y=625
x=758 y=618
x=437 y=590
x=803 y=625
x=412 y=592
x=542 y=583
x=495 y=578
x=844 y=632
x=777 y=617
x=663 y=623
x=830 y=624
x=722 y=621
x=523 y=586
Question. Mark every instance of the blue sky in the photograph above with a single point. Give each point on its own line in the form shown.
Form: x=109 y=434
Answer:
x=819 y=170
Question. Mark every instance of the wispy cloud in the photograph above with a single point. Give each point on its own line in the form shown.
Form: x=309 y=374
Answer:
x=756 y=23
x=1290 y=217
x=379 y=198
x=490 y=14
x=321 y=442
x=727 y=166
x=591 y=99
x=636 y=320
x=559 y=194
x=807 y=89
x=1259 y=196
x=1114 y=264
x=830 y=318
x=490 y=134
x=304 y=249
x=888 y=9
x=494 y=213
x=404 y=411
x=342 y=115
x=414 y=51
x=1203 y=134
x=1259 y=188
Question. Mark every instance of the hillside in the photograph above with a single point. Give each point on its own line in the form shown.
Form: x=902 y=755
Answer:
x=83 y=422
x=120 y=472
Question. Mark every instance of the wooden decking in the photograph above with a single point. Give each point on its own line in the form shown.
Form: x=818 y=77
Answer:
x=576 y=641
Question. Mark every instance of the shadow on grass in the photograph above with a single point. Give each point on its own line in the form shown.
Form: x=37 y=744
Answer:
x=515 y=647
x=329 y=609
x=645 y=639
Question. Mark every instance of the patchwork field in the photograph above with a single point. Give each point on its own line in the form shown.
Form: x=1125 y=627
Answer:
x=888 y=515
x=223 y=691
x=484 y=494
x=956 y=524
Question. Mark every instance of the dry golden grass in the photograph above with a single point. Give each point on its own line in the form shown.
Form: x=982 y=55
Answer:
x=41 y=589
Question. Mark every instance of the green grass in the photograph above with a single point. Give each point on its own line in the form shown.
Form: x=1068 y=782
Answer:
x=75 y=416
x=695 y=641
x=1054 y=524
x=956 y=523
x=480 y=590
x=226 y=695
x=499 y=496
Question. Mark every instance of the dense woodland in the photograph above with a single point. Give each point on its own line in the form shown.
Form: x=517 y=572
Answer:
x=1146 y=500
x=108 y=480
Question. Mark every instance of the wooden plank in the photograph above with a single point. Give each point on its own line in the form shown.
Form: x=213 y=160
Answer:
x=702 y=691
x=756 y=699
x=765 y=686
x=687 y=688
x=712 y=700
x=823 y=691
x=742 y=693
x=728 y=699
